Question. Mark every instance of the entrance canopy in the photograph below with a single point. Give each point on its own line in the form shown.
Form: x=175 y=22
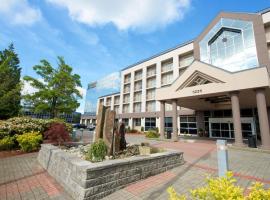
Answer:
x=206 y=87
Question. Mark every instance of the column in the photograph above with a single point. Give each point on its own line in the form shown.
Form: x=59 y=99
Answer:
x=263 y=118
x=174 y=120
x=162 y=119
x=236 y=119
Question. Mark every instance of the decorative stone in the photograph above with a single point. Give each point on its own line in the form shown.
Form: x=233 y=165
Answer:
x=144 y=150
x=116 y=144
x=100 y=122
x=108 y=130
x=122 y=132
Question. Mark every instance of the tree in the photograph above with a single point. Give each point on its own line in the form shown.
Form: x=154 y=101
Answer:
x=10 y=84
x=56 y=90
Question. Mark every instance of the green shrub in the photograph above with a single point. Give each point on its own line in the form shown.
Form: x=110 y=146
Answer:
x=142 y=129
x=97 y=151
x=20 y=125
x=151 y=134
x=223 y=188
x=7 y=143
x=29 y=141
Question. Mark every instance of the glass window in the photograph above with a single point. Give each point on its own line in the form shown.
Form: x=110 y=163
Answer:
x=230 y=45
x=137 y=121
x=188 y=125
x=150 y=123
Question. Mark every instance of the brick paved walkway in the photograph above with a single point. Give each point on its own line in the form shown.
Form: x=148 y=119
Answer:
x=201 y=162
x=21 y=177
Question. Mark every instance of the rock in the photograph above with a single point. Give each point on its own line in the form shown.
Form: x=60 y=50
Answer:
x=108 y=130
x=100 y=122
x=122 y=133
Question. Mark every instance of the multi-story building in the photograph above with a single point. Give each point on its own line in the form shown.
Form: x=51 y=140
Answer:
x=105 y=85
x=218 y=83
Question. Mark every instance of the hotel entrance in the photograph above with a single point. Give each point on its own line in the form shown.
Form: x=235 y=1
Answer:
x=223 y=127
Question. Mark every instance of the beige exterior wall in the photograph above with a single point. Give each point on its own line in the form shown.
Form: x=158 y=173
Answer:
x=181 y=58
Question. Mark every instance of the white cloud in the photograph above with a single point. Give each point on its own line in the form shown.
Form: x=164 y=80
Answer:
x=125 y=14
x=82 y=91
x=111 y=81
x=19 y=12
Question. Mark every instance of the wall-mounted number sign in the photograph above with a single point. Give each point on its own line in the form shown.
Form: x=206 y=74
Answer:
x=197 y=91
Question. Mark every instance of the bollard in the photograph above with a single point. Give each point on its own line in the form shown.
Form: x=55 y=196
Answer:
x=222 y=156
x=81 y=139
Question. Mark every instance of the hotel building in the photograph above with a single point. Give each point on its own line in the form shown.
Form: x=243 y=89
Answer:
x=218 y=83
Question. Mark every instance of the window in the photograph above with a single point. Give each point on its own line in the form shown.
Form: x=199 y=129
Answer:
x=167 y=65
x=116 y=109
x=150 y=106
x=230 y=45
x=150 y=94
x=188 y=124
x=137 y=107
x=166 y=78
x=151 y=71
x=138 y=85
x=137 y=96
x=126 y=98
x=168 y=107
x=126 y=108
x=116 y=100
x=125 y=121
x=137 y=121
x=138 y=75
x=127 y=88
x=168 y=124
x=150 y=123
x=101 y=101
x=151 y=82
x=186 y=60
x=108 y=101
x=127 y=78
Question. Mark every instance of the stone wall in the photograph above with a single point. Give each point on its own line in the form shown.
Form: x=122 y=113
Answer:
x=84 y=180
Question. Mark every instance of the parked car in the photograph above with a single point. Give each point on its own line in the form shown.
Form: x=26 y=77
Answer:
x=78 y=126
x=91 y=127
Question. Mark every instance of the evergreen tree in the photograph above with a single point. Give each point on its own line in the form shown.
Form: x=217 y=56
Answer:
x=57 y=91
x=10 y=85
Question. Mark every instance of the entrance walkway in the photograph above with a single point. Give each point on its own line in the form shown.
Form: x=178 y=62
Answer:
x=21 y=177
x=201 y=162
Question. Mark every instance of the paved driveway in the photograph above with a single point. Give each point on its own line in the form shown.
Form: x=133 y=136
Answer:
x=21 y=177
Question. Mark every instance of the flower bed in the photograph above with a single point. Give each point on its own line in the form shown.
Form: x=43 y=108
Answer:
x=86 y=180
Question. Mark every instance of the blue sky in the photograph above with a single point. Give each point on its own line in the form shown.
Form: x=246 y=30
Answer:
x=98 y=37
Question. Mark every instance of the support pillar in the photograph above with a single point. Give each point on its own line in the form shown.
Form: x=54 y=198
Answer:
x=236 y=119
x=174 y=120
x=263 y=118
x=162 y=119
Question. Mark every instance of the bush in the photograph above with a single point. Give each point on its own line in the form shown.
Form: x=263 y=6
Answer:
x=20 y=125
x=223 y=188
x=97 y=151
x=142 y=129
x=57 y=133
x=7 y=143
x=151 y=134
x=29 y=141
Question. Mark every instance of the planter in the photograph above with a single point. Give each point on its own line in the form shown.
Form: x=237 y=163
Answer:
x=85 y=180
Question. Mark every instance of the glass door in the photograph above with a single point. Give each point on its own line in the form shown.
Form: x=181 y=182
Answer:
x=223 y=127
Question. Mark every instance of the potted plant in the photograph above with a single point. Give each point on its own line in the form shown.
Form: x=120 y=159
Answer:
x=200 y=132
